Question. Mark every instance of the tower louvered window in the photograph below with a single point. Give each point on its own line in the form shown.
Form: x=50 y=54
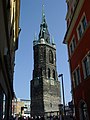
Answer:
x=50 y=57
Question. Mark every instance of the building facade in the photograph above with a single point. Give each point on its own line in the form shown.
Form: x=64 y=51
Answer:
x=21 y=107
x=45 y=87
x=9 y=32
x=78 y=43
x=26 y=107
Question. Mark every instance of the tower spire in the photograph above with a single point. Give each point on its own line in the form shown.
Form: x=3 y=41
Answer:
x=43 y=13
x=43 y=27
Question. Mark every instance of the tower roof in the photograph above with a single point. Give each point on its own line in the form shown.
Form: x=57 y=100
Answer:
x=44 y=36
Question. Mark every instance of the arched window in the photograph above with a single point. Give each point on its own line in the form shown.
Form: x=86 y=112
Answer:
x=83 y=111
x=49 y=73
x=54 y=74
x=51 y=56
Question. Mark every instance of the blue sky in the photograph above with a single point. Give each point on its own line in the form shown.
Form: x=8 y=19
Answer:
x=30 y=19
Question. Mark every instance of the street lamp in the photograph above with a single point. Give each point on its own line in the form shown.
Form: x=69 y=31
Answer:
x=61 y=75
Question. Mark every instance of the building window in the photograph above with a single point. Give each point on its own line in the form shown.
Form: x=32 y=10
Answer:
x=72 y=45
x=82 y=26
x=80 y=31
x=76 y=77
x=83 y=111
x=71 y=48
x=48 y=73
x=51 y=56
x=84 y=22
x=86 y=66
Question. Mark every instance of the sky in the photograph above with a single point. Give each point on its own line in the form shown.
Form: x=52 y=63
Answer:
x=30 y=20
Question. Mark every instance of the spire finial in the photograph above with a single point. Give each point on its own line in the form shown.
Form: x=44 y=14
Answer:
x=43 y=13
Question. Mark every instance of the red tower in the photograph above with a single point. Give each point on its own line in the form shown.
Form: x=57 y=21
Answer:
x=77 y=38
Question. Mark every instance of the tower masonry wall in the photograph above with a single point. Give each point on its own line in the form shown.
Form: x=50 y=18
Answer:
x=45 y=96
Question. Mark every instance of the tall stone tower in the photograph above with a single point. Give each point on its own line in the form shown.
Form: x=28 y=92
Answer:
x=45 y=87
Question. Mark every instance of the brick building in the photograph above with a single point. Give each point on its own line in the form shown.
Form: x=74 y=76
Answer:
x=78 y=43
x=9 y=32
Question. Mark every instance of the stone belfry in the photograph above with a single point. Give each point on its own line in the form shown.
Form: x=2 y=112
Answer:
x=45 y=87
